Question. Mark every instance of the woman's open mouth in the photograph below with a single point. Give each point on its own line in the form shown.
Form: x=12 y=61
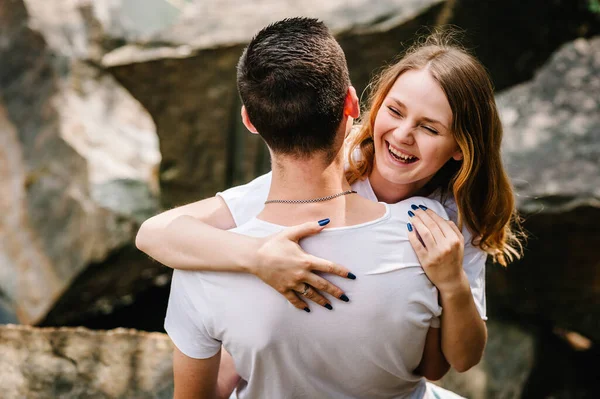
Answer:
x=401 y=156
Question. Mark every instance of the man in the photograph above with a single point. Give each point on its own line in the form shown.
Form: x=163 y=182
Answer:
x=295 y=90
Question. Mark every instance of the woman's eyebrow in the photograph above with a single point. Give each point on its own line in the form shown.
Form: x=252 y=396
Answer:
x=401 y=105
x=435 y=122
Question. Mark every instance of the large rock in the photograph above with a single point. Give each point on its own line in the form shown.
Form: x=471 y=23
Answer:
x=78 y=363
x=506 y=365
x=513 y=38
x=77 y=151
x=552 y=152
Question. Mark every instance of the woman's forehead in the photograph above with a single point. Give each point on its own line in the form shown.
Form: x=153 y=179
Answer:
x=419 y=92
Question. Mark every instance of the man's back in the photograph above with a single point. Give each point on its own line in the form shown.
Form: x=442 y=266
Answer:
x=366 y=348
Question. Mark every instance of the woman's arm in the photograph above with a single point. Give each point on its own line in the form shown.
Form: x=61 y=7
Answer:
x=228 y=377
x=433 y=365
x=193 y=237
x=440 y=250
x=464 y=333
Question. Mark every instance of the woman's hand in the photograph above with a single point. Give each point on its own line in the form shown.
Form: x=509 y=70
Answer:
x=283 y=265
x=440 y=247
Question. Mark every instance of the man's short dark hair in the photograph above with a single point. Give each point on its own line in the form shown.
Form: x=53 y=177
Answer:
x=293 y=79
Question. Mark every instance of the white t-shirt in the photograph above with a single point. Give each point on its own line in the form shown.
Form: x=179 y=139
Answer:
x=247 y=201
x=367 y=348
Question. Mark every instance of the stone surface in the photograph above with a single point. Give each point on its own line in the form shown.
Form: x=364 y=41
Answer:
x=552 y=152
x=513 y=38
x=79 y=363
x=504 y=369
x=74 y=144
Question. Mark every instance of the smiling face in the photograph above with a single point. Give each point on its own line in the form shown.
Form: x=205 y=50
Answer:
x=411 y=135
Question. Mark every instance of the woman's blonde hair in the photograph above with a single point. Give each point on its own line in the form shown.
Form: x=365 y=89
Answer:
x=478 y=183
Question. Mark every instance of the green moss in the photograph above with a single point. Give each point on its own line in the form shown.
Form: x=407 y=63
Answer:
x=594 y=6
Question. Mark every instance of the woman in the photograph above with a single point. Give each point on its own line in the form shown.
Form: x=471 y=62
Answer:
x=432 y=130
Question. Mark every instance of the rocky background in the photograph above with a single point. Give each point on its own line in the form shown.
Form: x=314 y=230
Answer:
x=111 y=110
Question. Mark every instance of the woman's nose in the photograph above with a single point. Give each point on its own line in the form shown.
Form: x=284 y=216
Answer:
x=404 y=132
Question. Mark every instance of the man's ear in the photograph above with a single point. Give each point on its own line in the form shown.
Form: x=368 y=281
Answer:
x=246 y=121
x=351 y=106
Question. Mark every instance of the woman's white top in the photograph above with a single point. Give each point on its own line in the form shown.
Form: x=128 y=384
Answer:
x=247 y=201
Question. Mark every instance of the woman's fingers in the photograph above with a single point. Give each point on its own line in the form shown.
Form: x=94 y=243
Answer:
x=295 y=233
x=308 y=292
x=292 y=297
x=325 y=266
x=323 y=285
x=416 y=243
x=457 y=231
x=428 y=221
x=444 y=225
x=423 y=231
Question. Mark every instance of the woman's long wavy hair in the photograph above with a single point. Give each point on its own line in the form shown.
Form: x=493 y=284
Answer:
x=478 y=183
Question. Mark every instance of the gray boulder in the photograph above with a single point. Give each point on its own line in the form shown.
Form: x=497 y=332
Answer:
x=552 y=152
x=70 y=135
x=79 y=363
x=513 y=38
x=504 y=368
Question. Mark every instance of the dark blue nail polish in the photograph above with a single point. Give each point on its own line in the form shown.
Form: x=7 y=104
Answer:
x=345 y=298
x=411 y=214
x=409 y=227
x=351 y=276
x=323 y=222
x=328 y=306
x=423 y=207
x=307 y=310
x=413 y=206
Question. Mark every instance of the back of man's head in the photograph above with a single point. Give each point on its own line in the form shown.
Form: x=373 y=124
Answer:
x=293 y=79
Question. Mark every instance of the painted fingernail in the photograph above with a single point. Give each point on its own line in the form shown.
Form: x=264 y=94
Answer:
x=409 y=227
x=328 y=306
x=323 y=222
x=345 y=298
x=423 y=207
x=307 y=310
x=351 y=276
x=413 y=206
x=411 y=213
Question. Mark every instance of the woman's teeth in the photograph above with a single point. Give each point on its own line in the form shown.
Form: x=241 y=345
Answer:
x=401 y=157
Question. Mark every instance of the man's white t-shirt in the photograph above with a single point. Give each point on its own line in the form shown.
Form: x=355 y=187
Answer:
x=367 y=348
x=247 y=201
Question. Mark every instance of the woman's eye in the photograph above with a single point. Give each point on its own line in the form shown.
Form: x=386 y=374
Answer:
x=430 y=129
x=394 y=111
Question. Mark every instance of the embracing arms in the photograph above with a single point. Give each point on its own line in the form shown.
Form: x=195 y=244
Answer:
x=194 y=237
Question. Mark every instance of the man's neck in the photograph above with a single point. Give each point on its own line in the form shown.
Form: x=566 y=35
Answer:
x=305 y=179
x=295 y=179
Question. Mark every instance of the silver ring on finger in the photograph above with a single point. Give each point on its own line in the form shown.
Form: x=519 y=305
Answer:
x=306 y=288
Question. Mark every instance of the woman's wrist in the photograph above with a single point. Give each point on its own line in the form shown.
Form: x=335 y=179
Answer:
x=456 y=288
x=251 y=256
